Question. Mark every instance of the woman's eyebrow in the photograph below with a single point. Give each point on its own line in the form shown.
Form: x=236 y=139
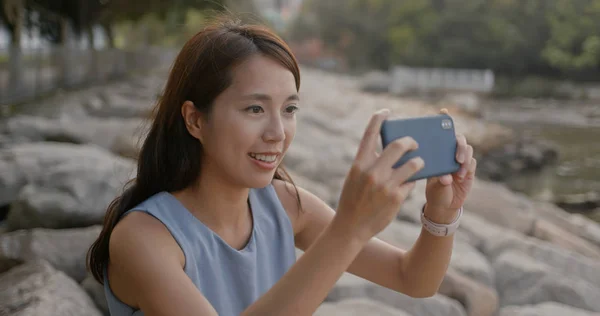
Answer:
x=266 y=97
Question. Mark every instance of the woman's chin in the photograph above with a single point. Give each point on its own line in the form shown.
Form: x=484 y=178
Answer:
x=260 y=181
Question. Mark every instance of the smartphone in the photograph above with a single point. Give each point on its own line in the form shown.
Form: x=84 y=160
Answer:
x=437 y=143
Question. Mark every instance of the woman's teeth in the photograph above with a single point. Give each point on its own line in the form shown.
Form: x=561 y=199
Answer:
x=265 y=158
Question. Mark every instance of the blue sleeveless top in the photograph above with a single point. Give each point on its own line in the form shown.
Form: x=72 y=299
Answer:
x=230 y=279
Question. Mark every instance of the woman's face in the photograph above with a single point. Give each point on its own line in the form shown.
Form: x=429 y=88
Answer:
x=252 y=123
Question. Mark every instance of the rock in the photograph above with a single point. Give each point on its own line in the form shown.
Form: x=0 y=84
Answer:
x=77 y=130
x=516 y=157
x=350 y=286
x=343 y=104
x=127 y=145
x=115 y=104
x=581 y=202
x=324 y=161
x=545 y=309
x=58 y=185
x=542 y=221
x=65 y=249
x=96 y=291
x=5 y=141
x=493 y=240
x=4 y=211
x=376 y=82
x=497 y=204
x=556 y=235
x=478 y=299
x=465 y=258
x=37 y=289
x=562 y=261
x=522 y=280
x=573 y=223
x=357 y=307
x=32 y=128
x=465 y=102
x=480 y=232
x=595 y=215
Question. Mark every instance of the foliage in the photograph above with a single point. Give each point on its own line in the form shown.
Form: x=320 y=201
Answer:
x=513 y=37
x=49 y=15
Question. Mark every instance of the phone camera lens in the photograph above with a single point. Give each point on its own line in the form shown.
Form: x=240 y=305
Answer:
x=446 y=124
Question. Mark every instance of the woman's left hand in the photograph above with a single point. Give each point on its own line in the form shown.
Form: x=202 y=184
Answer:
x=446 y=194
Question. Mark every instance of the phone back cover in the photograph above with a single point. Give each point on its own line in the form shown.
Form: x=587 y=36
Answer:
x=437 y=143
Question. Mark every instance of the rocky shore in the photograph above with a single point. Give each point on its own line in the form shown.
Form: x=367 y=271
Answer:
x=62 y=164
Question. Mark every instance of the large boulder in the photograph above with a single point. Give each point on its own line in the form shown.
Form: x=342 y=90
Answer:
x=478 y=299
x=96 y=291
x=109 y=133
x=65 y=249
x=545 y=309
x=576 y=224
x=37 y=289
x=564 y=262
x=522 y=280
x=492 y=211
x=59 y=185
x=465 y=258
x=350 y=286
x=357 y=307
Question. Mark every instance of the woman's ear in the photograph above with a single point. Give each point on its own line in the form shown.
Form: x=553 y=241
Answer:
x=192 y=119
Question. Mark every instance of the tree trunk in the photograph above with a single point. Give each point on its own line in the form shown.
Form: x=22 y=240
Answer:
x=63 y=52
x=110 y=36
x=15 y=12
x=93 y=65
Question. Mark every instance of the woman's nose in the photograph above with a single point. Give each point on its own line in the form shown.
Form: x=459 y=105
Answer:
x=275 y=131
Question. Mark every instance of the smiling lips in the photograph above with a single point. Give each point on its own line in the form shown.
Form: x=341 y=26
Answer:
x=265 y=161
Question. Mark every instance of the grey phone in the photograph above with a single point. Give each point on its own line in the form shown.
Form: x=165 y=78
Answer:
x=437 y=143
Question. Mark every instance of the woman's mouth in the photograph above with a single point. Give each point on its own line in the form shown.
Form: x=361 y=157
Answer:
x=265 y=161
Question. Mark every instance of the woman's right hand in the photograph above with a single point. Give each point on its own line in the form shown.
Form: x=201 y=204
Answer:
x=373 y=190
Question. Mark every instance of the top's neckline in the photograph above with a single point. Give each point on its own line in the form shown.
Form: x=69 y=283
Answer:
x=251 y=241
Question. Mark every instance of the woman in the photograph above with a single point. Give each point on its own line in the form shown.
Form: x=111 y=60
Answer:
x=210 y=223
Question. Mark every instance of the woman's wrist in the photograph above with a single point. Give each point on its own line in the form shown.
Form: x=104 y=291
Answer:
x=344 y=228
x=440 y=216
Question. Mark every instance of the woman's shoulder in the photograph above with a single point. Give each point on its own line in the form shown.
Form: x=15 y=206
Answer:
x=137 y=243
x=139 y=231
x=287 y=194
x=299 y=203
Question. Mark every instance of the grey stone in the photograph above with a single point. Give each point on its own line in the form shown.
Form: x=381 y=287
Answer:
x=37 y=289
x=65 y=249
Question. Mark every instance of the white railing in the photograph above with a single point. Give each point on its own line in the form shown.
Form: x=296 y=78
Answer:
x=408 y=79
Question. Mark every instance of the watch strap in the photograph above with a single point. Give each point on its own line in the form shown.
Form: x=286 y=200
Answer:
x=441 y=230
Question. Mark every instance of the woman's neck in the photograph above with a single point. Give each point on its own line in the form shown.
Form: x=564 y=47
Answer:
x=216 y=202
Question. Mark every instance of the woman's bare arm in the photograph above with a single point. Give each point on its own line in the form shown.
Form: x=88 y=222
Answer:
x=149 y=267
x=304 y=287
x=151 y=263
x=146 y=270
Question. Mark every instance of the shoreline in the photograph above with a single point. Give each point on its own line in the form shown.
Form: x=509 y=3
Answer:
x=52 y=165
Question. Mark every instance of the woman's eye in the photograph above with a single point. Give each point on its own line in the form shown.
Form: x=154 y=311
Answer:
x=255 y=109
x=291 y=109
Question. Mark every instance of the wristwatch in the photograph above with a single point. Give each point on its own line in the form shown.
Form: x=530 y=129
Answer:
x=441 y=230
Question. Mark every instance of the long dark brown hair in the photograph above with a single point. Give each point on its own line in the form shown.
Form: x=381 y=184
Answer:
x=170 y=158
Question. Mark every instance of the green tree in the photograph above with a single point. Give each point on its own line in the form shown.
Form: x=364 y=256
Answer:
x=574 y=35
x=512 y=37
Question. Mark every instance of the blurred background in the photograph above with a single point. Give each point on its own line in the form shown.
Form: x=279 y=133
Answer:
x=78 y=79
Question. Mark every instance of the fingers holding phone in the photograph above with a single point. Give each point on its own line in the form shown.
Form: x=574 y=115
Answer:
x=374 y=190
